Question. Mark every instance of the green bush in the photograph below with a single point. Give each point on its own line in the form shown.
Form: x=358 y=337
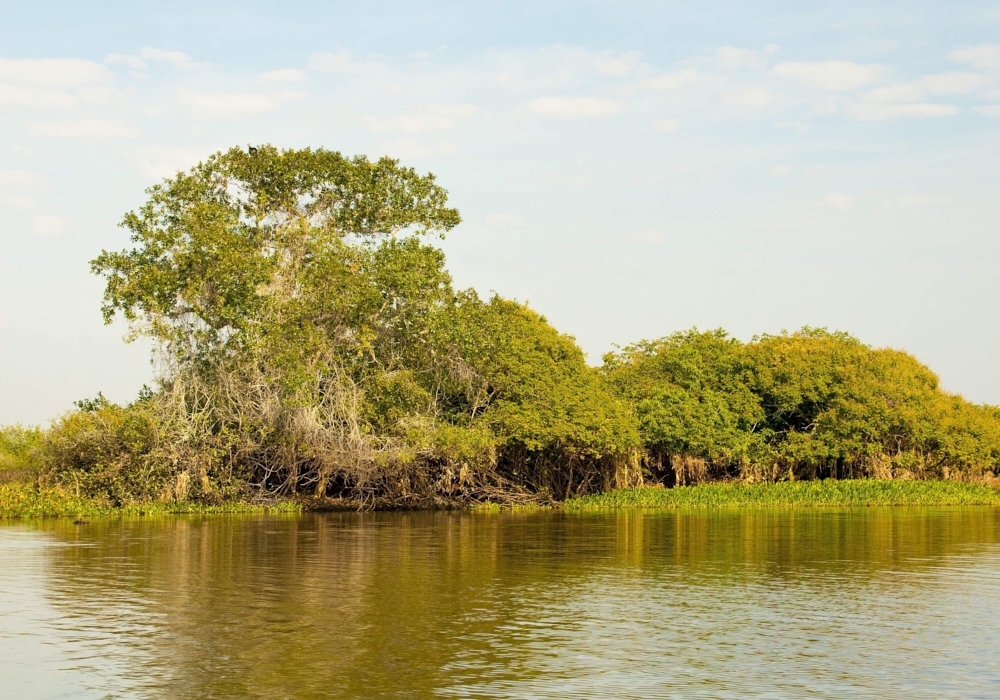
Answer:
x=107 y=451
x=19 y=447
x=804 y=405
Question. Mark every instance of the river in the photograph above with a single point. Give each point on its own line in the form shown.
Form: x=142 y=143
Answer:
x=875 y=603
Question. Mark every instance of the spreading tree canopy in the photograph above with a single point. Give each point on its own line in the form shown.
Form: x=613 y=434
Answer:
x=313 y=339
x=807 y=404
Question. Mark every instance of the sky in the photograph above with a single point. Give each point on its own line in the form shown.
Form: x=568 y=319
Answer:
x=629 y=169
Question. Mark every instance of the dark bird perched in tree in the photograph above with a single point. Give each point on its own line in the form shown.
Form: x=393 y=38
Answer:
x=251 y=150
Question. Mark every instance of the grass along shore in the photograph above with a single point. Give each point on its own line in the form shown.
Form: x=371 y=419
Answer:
x=795 y=494
x=28 y=501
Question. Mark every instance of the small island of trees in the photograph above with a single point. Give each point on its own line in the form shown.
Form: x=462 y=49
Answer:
x=310 y=344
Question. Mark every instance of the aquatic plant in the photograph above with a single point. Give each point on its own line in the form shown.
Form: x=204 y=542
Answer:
x=826 y=492
x=30 y=501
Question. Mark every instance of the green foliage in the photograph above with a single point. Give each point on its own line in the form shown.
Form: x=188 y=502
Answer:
x=690 y=394
x=787 y=494
x=24 y=501
x=107 y=450
x=19 y=447
x=314 y=341
x=801 y=405
x=220 y=245
x=536 y=383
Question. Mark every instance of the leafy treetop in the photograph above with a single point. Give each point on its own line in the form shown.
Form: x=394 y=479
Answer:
x=218 y=245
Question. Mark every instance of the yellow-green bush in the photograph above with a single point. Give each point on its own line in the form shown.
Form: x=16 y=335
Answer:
x=804 y=405
x=109 y=451
x=19 y=452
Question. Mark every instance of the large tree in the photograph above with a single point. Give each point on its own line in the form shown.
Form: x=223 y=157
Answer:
x=239 y=235
x=313 y=339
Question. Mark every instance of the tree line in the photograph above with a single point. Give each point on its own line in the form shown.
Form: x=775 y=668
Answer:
x=310 y=342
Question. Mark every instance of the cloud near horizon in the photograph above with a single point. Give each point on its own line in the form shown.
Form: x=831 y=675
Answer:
x=574 y=107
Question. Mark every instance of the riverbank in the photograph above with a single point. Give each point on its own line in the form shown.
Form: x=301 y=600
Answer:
x=795 y=494
x=28 y=501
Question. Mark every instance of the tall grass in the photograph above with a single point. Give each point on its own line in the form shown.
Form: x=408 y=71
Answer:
x=28 y=501
x=830 y=492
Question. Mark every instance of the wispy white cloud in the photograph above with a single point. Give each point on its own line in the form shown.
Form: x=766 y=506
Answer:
x=917 y=91
x=622 y=64
x=953 y=83
x=52 y=72
x=561 y=67
x=35 y=98
x=989 y=110
x=84 y=129
x=730 y=57
x=982 y=56
x=798 y=126
x=576 y=178
x=48 y=226
x=778 y=170
x=877 y=112
x=837 y=200
x=734 y=58
x=922 y=199
x=418 y=148
x=236 y=104
x=676 y=80
x=165 y=161
x=753 y=98
x=425 y=118
x=18 y=188
x=284 y=75
x=498 y=220
x=53 y=83
x=835 y=76
x=177 y=58
x=340 y=62
x=667 y=125
x=883 y=44
x=646 y=236
x=124 y=59
x=900 y=92
x=574 y=107
x=147 y=55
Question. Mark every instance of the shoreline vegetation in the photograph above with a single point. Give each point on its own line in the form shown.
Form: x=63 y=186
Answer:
x=26 y=501
x=848 y=493
x=311 y=349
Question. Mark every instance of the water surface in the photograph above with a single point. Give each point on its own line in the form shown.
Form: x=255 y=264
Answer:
x=771 y=604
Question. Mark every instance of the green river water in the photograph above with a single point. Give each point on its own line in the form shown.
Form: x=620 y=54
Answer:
x=866 y=603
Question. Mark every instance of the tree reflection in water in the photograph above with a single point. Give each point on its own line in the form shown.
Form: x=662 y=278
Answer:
x=872 y=602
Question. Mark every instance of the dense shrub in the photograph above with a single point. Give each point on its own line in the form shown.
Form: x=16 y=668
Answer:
x=313 y=343
x=19 y=450
x=810 y=404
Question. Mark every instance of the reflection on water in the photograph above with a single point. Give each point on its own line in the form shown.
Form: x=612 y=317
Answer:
x=866 y=603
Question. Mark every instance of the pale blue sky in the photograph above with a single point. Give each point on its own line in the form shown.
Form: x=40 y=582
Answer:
x=630 y=169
